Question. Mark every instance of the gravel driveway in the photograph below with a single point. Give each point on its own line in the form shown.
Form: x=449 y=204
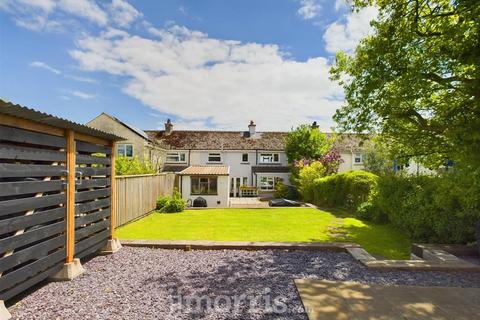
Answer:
x=143 y=283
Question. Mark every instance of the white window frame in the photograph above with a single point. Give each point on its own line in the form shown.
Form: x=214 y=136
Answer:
x=271 y=156
x=214 y=155
x=248 y=156
x=122 y=150
x=358 y=156
x=268 y=187
x=176 y=157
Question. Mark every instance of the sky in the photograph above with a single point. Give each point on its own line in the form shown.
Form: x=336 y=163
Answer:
x=209 y=64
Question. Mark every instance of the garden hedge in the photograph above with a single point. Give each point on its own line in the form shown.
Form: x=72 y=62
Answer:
x=435 y=209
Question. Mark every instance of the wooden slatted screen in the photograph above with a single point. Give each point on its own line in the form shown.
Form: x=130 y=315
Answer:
x=32 y=208
x=92 y=198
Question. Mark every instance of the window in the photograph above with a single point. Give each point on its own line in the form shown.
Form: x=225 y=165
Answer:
x=245 y=181
x=269 y=157
x=245 y=157
x=358 y=159
x=203 y=186
x=214 y=157
x=267 y=183
x=125 y=150
x=175 y=157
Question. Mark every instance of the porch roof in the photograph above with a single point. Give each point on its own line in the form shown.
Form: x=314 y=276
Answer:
x=206 y=171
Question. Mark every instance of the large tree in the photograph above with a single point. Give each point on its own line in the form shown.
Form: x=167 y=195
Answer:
x=416 y=79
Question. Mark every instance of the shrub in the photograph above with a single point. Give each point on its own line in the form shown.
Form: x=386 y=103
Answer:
x=131 y=166
x=285 y=191
x=307 y=175
x=347 y=190
x=171 y=204
x=440 y=209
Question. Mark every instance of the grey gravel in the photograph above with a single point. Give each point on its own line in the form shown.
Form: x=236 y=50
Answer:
x=143 y=283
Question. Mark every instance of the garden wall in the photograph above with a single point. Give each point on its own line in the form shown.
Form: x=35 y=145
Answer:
x=137 y=195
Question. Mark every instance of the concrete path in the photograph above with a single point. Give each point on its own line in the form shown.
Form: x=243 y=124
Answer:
x=325 y=300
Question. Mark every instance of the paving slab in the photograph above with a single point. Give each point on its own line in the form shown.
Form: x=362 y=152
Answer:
x=325 y=300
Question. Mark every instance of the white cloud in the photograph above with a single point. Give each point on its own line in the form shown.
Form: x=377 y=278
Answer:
x=82 y=79
x=82 y=95
x=85 y=9
x=206 y=81
x=345 y=34
x=43 y=65
x=341 y=4
x=123 y=13
x=309 y=9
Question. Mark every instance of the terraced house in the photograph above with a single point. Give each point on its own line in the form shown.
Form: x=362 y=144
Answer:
x=251 y=161
x=218 y=165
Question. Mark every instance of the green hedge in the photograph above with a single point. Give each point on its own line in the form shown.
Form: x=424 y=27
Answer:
x=171 y=204
x=346 y=190
x=434 y=209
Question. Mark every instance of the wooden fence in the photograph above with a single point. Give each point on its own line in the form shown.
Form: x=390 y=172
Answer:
x=137 y=195
x=56 y=196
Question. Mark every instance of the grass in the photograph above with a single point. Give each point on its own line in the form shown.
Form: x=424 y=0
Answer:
x=276 y=224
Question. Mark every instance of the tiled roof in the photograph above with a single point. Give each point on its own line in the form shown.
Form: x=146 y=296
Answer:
x=219 y=140
x=239 y=140
x=206 y=170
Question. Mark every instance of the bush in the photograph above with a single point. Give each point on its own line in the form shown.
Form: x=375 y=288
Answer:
x=131 y=166
x=439 y=209
x=285 y=191
x=307 y=175
x=171 y=204
x=346 y=190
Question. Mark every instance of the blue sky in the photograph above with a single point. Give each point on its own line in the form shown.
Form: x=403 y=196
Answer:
x=205 y=64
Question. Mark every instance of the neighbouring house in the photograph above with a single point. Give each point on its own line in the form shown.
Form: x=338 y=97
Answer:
x=138 y=144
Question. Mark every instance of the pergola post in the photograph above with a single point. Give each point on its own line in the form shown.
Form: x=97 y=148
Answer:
x=72 y=267
x=113 y=244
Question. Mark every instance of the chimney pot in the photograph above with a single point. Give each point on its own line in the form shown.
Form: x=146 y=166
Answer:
x=315 y=125
x=251 y=128
x=168 y=127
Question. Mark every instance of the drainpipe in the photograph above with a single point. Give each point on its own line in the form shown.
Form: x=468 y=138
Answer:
x=189 y=156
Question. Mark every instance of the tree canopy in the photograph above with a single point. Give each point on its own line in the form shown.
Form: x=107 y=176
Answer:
x=306 y=142
x=416 y=79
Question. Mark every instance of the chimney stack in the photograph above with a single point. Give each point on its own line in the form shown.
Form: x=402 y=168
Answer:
x=168 y=127
x=315 y=125
x=251 y=128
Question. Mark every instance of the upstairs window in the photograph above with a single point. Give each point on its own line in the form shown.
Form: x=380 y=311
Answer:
x=214 y=157
x=125 y=150
x=269 y=158
x=175 y=157
x=245 y=157
x=358 y=158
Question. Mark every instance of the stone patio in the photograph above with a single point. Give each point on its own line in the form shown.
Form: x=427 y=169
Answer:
x=248 y=203
x=323 y=299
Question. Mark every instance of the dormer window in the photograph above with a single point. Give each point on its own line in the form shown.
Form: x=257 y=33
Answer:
x=269 y=158
x=175 y=157
x=214 y=157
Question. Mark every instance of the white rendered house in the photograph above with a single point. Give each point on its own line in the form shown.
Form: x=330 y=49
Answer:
x=252 y=159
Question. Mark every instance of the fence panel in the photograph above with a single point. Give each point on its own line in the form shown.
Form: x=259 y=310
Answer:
x=92 y=198
x=137 y=195
x=32 y=208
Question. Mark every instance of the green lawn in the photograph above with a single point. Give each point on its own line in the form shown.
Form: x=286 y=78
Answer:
x=279 y=224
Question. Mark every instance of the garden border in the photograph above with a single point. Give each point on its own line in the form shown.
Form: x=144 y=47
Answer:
x=446 y=262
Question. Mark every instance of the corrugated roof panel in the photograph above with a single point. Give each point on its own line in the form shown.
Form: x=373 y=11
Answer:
x=21 y=112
